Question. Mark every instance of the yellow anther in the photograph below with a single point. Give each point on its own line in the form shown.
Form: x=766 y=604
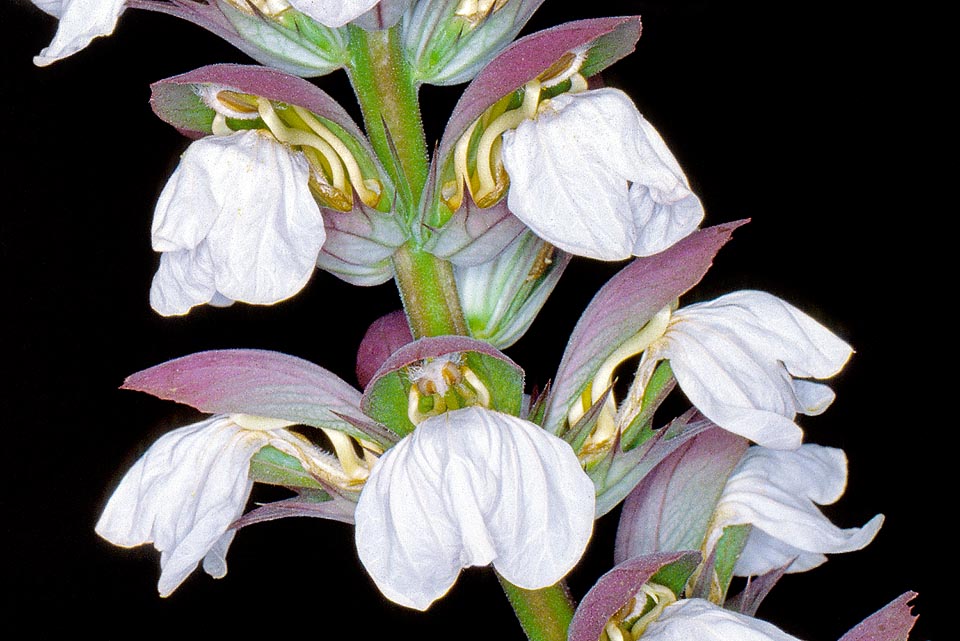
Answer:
x=567 y=66
x=443 y=384
x=239 y=103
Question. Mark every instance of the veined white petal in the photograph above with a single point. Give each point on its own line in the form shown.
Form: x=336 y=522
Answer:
x=244 y=199
x=699 y=619
x=333 y=13
x=569 y=171
x=265 y=242
x=471 y=487
x=592 y=176
x=183 y=280
x=80 y=22
x=735 y=358
x=661 y=223
x=182 y=495
x=778 y=492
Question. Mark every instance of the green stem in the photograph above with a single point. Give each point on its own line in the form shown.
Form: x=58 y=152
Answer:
x=387 y=94
x=544 y=614
x=429 y=293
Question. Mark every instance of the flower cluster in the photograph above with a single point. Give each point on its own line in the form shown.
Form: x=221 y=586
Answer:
x=444 y=460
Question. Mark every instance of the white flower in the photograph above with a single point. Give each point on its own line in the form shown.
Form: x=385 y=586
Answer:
x=236 y=221
x=183 y=494
x=80 y=22
x=690 y=619
x=777 y=492
x=594 y=178
x=333 y=13
x=471 y=487
x=740 y=358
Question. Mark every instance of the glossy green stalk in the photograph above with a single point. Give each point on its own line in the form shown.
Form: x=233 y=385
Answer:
x=429 y=293
x=544 y=614
x=388 y=98
x=387 y=94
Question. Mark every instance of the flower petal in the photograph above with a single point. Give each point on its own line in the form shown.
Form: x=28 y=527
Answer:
x=471 y=487
x=735 y=358
x=182 y=496
x=245 y=196
x=777 y=492
x=80 y=22
x=569 y=170
x=334 y=13
x=699 y=619
x=183 y=280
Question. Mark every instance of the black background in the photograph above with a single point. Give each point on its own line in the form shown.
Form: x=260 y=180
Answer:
x=792 y=115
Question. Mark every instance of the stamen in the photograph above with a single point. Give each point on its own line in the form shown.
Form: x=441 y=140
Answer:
x=219 y=127
x=259 y=423
x=490 y=189
x=452 y=192
x=661 y=596
x=317 y=462
x=347 y=455
x=331 y=160
x=475 y=11
x=565 y=68
x=369 y=196
x=650 y=332
x=483 y=393
x=613 y=632
x=270 y=8
x=227 y=102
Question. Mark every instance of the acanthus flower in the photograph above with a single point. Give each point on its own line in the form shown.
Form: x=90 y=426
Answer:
x=186 y=491
x=251 y=209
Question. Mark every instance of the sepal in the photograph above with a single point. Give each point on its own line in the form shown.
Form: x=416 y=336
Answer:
x=502 y=297
x=448 y=44
x=261 y=383
x=433 y=375
x=672 y=507
x=289 y=41
x=893 y=622
x=619 y=586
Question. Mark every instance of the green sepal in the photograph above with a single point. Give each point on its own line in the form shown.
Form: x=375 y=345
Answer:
x=726 y=554
x=273 y=467
x=640 y=429
x=676 y=574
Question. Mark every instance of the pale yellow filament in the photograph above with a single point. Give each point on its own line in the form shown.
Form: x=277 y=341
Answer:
x=338 y=177
x=368 y=196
